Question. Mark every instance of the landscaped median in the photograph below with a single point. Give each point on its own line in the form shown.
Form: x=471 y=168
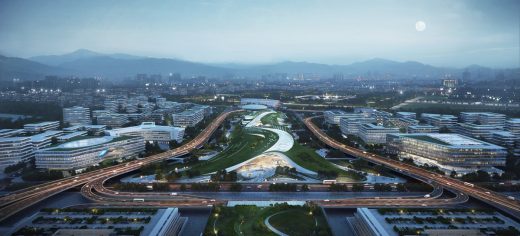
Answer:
x=250 y=220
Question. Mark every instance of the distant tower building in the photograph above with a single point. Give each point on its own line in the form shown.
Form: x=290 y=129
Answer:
x=449 y=83
x=76 y=116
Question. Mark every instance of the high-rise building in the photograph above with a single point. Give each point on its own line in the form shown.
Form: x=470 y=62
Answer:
x=76 y=116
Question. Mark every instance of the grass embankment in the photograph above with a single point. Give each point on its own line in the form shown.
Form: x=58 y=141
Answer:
x=300 y=221
x=307 y=158
x=244 y=145
x=249 y=220
x=271 y=119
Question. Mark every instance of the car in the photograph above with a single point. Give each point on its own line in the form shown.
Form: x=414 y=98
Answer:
x=326 y=200
x=173 y=194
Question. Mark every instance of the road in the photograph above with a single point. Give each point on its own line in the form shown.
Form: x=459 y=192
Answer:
x=493 y=198
x=22 y=199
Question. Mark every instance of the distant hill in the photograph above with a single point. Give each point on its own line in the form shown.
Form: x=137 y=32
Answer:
x=116 y=66
x=56 y=60
x=13 y=67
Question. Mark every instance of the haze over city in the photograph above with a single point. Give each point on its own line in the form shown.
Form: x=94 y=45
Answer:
x=456 y=33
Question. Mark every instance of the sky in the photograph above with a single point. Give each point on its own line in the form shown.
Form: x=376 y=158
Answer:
x=458 y=33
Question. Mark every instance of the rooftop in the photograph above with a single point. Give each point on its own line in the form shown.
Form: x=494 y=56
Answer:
x=452 y=140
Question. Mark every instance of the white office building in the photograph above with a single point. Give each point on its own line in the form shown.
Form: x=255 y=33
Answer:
x=261 y=101
x=349 y=125
x=4 y=133
x=150 y=132
x=513 y=126
x=170 y=223
x=475 y=130
x=404 y=114
x=484 y=118
x=44 y=139
x=439 y=120
x=413 y=129
x=333 y=116
x=375 y=134
x=88 y=151
x=188 y=118
x=113 y=120
x=449 y=152
x=42 y=126
x=14 y=150
x=76 y=116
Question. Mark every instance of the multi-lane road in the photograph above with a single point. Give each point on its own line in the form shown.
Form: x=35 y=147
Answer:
x=493 y=198
x=20 y=200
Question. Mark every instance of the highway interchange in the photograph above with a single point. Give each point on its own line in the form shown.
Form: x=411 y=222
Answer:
x=93 y=183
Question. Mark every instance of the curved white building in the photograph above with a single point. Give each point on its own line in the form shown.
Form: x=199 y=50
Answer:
x=150 y=132
x=87 y=151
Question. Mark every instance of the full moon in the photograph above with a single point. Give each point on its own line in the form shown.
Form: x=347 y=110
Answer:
x=420 y=26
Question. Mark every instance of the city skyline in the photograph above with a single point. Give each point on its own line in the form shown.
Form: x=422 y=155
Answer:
x=455 y=34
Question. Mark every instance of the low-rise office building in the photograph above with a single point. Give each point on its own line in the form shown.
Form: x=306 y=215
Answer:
x=14 y=150
x=375 y=134
x=333 y=116
x=484 y=118
x=475 y=131
x=88 y=151
x=505 y=139
x=261 y=101
x=439 y=120
x=413 y=129
x=4 y=133
x=76 y=116
x=188 y=118
x=42 y=126
x=44 y=139
x=427 y=221
x=513 y=126
x=170 y=223
x=112 y=120
x=449 y=152
x=404 y=114
x=349 y=125
x=150 y=132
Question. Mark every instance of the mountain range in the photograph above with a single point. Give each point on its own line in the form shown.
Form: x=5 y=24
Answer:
x=85 y=63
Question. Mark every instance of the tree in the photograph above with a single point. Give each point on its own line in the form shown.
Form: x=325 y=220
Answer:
x=159 y=175
x=453 y=174
x=305 y=188
x=358 y=187
x=183 y=187
x=54 y=140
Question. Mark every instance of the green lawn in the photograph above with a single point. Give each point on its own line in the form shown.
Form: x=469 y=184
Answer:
x=271 y=119
x=244 y=145
x=299 y=221
x=249 y=220
x=307 y=158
